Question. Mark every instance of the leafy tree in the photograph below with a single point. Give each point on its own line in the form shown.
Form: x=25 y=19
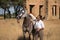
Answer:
x=3 y=4
x=19 y=3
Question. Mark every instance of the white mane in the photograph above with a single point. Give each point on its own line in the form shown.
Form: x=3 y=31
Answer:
x=33 y=17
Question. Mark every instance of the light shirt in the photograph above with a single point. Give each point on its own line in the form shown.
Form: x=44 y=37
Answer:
x=39 y=24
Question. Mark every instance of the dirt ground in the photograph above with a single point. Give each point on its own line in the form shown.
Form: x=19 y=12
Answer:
x=11 y=30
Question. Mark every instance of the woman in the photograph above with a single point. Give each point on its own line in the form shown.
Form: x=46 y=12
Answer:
x=39 y=27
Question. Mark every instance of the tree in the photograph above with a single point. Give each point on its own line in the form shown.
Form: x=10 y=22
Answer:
x=3 y=4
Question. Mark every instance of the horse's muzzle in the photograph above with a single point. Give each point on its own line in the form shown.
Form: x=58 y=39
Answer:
x=18 y=17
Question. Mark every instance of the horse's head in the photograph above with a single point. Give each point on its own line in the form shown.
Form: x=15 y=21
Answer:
x=22 y=13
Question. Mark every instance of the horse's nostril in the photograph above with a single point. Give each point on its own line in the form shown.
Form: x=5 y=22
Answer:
x=18 y=17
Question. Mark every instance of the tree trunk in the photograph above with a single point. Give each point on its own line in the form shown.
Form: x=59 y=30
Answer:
x=4 y=14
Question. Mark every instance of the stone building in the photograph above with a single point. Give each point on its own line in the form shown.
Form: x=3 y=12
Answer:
x=50 y=9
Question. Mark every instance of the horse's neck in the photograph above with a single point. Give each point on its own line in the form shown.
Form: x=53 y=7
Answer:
x=26 y=20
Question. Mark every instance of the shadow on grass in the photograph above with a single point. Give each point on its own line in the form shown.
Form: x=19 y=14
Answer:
x=22 y=38
x=1 y=18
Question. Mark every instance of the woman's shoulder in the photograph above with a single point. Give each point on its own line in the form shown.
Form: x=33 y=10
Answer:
x=40 y=21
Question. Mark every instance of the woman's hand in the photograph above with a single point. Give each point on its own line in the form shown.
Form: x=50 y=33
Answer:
x=38 y=29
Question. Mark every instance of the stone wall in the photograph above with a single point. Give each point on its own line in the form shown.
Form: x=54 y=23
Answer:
x=39 y=7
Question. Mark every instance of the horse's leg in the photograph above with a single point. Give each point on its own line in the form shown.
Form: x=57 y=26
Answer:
x=24 y=35
x=33 y=33
x=24 y=32
x=33 y=36
x=30 y=33
x=29 y=36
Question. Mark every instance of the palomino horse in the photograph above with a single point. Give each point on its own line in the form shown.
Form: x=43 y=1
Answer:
x=27 y=22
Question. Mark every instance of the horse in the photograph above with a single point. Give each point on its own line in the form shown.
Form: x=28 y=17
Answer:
x=27 y=25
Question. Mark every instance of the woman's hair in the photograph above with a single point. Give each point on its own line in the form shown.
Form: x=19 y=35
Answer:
x=40 y=17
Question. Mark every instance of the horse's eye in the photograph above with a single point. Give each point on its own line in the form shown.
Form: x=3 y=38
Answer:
x=23 y=11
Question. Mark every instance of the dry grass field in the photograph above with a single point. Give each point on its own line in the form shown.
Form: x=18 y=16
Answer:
x=11 y=30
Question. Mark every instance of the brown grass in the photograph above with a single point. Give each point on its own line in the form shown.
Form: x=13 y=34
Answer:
x=11 y=30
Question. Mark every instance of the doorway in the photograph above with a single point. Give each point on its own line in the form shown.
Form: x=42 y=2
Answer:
x=31 y=8
x=40 y=10
x=54 y=10
x=59 y=12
